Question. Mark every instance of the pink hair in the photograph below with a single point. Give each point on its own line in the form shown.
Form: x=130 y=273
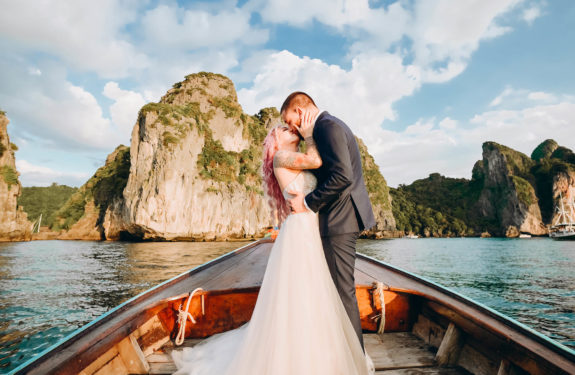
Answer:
x=272 y=188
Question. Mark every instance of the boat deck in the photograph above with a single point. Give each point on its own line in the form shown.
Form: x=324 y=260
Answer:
x=394 y=353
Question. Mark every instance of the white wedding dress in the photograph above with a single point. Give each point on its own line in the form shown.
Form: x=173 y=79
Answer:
x=299 y=325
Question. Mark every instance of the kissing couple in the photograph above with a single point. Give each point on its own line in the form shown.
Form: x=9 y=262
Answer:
x=306 y=319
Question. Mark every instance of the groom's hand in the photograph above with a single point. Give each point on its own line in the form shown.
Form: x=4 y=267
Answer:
x=296 y=203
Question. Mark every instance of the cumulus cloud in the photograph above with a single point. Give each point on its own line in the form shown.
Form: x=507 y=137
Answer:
x=169 y=27
x=53 y=112
x=124 y=110
x=86 y=35
x=36 y=175
x=443 y=33
x=363 y=96
x=439 y=145
x=531 y=14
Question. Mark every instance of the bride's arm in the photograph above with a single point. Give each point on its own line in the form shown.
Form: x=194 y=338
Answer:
x=299 y=160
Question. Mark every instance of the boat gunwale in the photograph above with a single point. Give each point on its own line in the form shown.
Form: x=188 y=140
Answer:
x=76 y=334
x=548 y=342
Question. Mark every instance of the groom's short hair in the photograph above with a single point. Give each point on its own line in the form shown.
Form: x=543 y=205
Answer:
x=298 y=98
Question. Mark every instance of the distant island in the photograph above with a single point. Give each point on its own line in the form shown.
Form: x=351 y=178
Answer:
x=192 y=173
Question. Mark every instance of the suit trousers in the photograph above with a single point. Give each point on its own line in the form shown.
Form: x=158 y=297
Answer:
x=339 y=253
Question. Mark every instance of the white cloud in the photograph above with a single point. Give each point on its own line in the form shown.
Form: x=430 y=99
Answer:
x=444 y=33
x=36 y=175
x=448 y=124
x=124 y=111
x=361 y=96
x=336 y=13
x=499 y=98
x=531 y=14
x=87 y=35
x=53 y=112
x=541 y=96
x=424 y=147
x=517 y=98
x=169 y=27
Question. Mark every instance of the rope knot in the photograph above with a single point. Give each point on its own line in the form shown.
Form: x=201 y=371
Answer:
x=184 y=314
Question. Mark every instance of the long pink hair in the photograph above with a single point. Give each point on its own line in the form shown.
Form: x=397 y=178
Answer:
x=272 y=188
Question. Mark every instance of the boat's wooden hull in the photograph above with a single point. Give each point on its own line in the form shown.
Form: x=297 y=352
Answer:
x=464 y=333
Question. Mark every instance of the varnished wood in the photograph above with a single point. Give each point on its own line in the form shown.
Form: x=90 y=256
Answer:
x=132 y=355
x=450 y=347
x=524 y=349
x=429 y=331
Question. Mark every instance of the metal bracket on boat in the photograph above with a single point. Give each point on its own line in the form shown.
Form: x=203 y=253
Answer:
x=183 y=316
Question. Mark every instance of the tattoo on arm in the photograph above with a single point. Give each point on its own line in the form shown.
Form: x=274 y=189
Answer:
x=298 y=160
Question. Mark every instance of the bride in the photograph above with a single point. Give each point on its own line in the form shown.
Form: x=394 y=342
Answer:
x=299 y=324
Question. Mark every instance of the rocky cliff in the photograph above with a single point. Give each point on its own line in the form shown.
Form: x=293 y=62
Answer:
x=509 y=193
x=195 y=160
x=14 y=225
x=378 y=193
x=193 y=173
x=508 y=199
x=89 y=214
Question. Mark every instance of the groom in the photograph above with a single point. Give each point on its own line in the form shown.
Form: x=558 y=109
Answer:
x=340 y=198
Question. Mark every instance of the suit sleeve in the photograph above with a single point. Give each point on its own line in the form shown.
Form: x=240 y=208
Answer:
x=331 y=142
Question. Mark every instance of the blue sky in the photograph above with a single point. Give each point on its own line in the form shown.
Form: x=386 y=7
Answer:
x=423 y=82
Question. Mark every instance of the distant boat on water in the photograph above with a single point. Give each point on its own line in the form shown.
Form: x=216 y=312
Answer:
x=412 y=236
x=564 y=227
x=524 y=235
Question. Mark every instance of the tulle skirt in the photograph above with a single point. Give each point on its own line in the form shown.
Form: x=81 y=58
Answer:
x=299 y=324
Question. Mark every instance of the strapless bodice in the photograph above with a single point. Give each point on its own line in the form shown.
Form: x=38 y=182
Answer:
x=304 y=182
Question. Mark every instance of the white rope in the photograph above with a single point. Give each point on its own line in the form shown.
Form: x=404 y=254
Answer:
x=379 y=288
x=183 y=316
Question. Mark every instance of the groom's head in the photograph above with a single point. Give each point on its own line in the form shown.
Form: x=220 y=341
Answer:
x=294 y=106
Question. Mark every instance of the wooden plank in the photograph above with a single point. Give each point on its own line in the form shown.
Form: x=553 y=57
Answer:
x=521 y=347
x=397 y=350
x=424 y=371
x=430 y=332
x=475 y=362
x=100 y=362
x=448 y=352
x=133 y=356
x=159 y=358
x=115 y=367
x=162 y=368
x=152 y=335
x=504 y=367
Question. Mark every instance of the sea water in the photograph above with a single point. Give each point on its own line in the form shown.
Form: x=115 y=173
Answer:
x=48 y=289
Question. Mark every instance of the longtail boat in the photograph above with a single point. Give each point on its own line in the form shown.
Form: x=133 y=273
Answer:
x=411 y=325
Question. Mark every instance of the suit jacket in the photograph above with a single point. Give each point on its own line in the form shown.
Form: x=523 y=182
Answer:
x=340 y=198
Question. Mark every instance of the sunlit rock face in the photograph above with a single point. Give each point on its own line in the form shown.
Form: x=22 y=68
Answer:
x=14 y=225
x=508 y=198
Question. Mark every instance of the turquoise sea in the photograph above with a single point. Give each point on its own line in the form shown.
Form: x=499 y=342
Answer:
x=50 y=288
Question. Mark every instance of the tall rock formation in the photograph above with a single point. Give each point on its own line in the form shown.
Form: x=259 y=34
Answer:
x=555 y=178
x=378 y=191
x=89 y=214
x=192 y=172
x=195 y=161
x=14 y=225
x=508 y=200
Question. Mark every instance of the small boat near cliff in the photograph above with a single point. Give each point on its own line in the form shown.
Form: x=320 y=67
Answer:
x=564 y=226
x=411 y=325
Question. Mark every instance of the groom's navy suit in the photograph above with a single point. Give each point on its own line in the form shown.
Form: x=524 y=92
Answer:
x=343 y=205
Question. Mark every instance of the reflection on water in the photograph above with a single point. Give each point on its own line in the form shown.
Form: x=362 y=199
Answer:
x=531 y=280
x=50 y=288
